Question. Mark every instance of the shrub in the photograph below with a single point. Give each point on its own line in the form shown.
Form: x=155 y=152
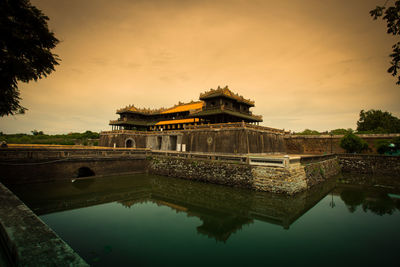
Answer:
x=382 y=146
x=396 y=142
x=353 y=144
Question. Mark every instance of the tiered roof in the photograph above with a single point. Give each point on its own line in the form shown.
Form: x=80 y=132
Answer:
x=225 y=92
x=180 y=107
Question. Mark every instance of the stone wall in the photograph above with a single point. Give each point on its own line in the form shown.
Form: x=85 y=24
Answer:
x=26 y=165
x=203 y=170
x=290 y=180
x=370 y=164
x=233 y=140
x=326 y=144
x=119 y=138
x=17 y=172
x=29 y=241
x=318 y=172
x=240 y=140
x=296 y=178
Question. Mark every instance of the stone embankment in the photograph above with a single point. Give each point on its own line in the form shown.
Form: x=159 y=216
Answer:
x=329 y=144
x=28 y=240
x=290 y=179
x=370 y=164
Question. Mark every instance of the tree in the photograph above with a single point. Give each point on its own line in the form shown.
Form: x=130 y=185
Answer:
x=25 y=44
x=36 y=132
x=353 y=144
x=309 y=132
x=378 y=121
x=391 y=15
x=341 y=131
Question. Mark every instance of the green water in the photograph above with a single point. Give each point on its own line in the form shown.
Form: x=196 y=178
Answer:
x=158 y=221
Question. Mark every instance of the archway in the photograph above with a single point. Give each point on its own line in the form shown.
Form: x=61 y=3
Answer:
x=85 y=172
x=130 y=143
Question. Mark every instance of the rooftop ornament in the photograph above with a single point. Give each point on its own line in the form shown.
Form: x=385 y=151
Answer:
x=225 y=91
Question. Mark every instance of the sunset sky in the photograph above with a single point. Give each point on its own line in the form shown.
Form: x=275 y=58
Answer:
x=306 y=63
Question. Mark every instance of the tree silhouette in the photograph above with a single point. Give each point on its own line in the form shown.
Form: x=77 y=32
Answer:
x=391 y=15
x=25 y=44
x=378 y=121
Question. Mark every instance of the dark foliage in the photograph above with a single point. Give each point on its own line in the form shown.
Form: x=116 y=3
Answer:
x=353 y=144
x=25 y=44
x=341 y=131
x=308 y=132
x=383 y=146
x=391 y=15
x=38 y=137
x=377 y=121
x=388 y=146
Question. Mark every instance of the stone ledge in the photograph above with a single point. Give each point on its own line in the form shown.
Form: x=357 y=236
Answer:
x=30 y=242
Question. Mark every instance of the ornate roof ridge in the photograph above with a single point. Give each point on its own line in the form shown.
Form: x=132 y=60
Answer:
x=226 y=92
x=132 y=108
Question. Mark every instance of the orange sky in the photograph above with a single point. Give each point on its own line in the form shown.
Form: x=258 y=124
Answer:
x=306 y=63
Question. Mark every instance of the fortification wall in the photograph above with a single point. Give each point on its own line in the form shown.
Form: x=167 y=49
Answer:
x=290 y=180
x=327 y=144
x=234 y=140
x=44 y=171
x=119 y=138
x=27 y=165
x=223 y=139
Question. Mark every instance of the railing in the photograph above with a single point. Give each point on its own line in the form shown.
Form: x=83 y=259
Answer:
x=271 y=162
x=56 y=154
x=171 y=131
x=7 y=154
x=201 y=126
x=233 y=125
x=317 y=158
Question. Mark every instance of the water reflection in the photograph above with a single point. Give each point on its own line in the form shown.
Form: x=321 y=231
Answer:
x=222 y=210
x=375 y=201
x=158 y=221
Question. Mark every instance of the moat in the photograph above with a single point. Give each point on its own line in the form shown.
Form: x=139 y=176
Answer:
x=147 y=220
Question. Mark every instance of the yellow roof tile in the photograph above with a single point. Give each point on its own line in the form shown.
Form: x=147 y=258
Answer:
x=177 y=121
x=184 y=107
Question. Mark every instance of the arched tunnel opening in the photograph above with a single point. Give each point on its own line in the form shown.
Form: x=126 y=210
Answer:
x=85 y=172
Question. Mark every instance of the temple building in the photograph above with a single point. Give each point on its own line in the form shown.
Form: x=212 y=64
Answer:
x=219 y=105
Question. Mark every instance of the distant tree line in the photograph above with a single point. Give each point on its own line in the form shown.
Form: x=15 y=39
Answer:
x=39 y=137
x=370 y=122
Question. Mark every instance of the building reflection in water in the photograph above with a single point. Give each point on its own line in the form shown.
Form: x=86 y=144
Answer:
x=222 y=210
